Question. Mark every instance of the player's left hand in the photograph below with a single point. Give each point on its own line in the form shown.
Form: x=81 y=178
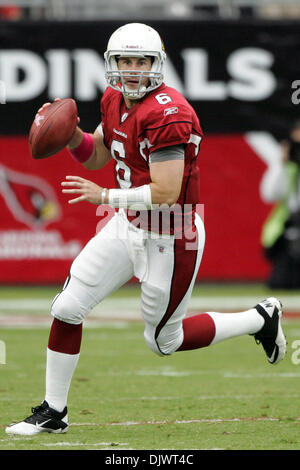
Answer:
x=88 y=190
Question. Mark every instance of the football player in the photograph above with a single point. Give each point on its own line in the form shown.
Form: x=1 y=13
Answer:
x=156 y=234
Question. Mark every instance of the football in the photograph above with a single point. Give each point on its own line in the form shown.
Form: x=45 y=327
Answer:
x=52 y=128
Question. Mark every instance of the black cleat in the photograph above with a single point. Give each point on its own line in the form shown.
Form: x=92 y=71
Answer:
x=43 y=419
x=271 y=335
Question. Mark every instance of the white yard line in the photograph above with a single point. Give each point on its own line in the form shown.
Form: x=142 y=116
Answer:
x=113 y=305
x=184 y=421
x=225 y=375
x=44 y=321
x=36 y=312
x=86 y=444
x=199 y=398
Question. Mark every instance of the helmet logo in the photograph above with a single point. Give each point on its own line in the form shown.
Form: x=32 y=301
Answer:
x=133 y=47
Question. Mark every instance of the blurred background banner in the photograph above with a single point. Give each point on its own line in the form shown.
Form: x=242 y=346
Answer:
x=237 y=75
x=241 y=78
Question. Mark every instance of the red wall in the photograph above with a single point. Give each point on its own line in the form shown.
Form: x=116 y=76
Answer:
x=40 y=249
x=234 y=212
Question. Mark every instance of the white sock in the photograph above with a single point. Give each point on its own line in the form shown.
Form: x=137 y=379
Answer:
x=229 y=325
x=59 y=372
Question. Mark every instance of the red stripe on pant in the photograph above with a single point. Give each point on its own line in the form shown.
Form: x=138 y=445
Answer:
x=183 y=272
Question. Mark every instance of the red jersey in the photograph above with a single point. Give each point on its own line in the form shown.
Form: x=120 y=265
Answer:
x=161 y=119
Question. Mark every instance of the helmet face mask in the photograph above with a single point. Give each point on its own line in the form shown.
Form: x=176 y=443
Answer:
x=140 y=41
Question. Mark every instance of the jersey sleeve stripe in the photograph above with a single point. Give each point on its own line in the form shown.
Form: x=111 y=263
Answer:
x=197 y=132
x=163 y=125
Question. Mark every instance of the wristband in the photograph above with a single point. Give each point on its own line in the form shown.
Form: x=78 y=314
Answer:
x=103 y=194
x=139 y=198
x=84 y=150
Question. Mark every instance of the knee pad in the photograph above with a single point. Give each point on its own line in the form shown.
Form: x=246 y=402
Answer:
x=169 y=342
x=151 y=343
x=166 y=343
x=66 y=307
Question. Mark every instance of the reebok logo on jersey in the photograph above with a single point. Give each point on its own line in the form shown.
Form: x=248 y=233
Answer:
x=173 y=110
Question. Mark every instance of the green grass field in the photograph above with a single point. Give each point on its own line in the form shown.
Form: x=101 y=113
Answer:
x=124 y=397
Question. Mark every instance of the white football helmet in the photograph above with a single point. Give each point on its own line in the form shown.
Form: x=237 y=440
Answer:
x=134 y=40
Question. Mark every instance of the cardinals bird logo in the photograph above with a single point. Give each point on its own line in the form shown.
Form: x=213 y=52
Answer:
x=30 y=198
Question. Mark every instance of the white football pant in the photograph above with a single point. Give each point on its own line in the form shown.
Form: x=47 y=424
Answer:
x=165 y=267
